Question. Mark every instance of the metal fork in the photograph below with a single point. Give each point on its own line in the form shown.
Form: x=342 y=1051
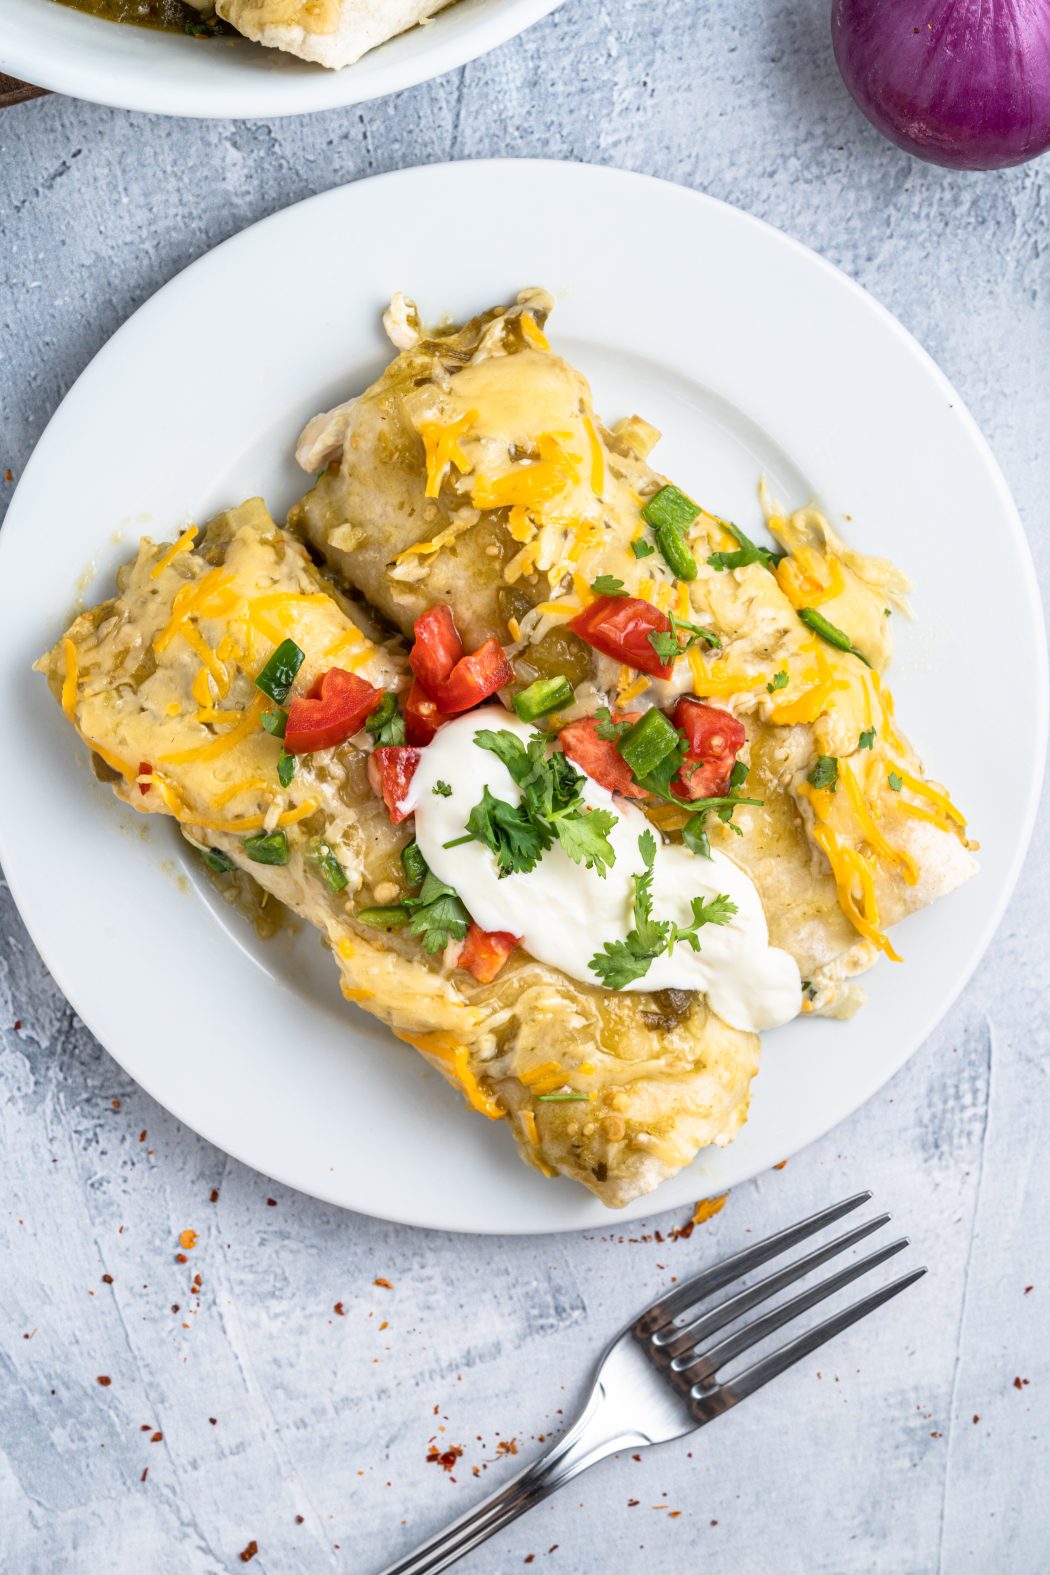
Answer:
x=660 y=1378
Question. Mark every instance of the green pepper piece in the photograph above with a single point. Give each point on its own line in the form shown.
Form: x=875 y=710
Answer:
x=543 y=697
x=267 y=847
x=394 y=917
x=670 y=506
x=279 y=673
x=647 y=742
x=677 y=553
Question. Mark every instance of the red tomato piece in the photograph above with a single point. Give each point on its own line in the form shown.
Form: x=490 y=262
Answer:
x=715 y=739
x=390 y=771
x=620 y=626
x=454 y=681
x=437 y=648
x=599 y=757
x=475 y=677
x=332 y=712
x=485 y=951
x=145 y=770
x=422 y=716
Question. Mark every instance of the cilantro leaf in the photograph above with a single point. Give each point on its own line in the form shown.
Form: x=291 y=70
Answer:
x=665 y=643
x=866 y=739
x=606 y=728
x=896 y=781
x=778 y=681
x=747 y=552
x=437 y=915
x=608 y=585
x=825 y=773
x=509 y=832
x=442 y=789
x=585 y=838
x=642 y=548
x=286 y=764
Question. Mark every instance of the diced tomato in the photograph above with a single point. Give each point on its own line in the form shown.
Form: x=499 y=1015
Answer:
x=332 y=712
x=715 y=739
x=145 y=770
x=485 y=951
x=422 y=716
x=455 y=681
x=599 y=757
x=475 y=677
x=620 y=626
x=390 y=771
x=437 y=649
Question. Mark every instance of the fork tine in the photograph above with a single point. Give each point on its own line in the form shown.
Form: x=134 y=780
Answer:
x=691 y=1291
x=708 y=1362
x=706 y=1406
x=673 y=1342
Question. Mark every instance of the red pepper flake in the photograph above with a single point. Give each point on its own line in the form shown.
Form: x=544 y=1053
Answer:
x=214 y=1420
x=528 y=1558
x=447 y=1458
x=271 y=1203
x=247 y=1554
x=1026 y=1289
x=145 y=770
x=213 y=1196
x=8 y=474
x=935 y=1434
x=553 y=1547
x=18 y=1026
x=298 y=1520
x=142 y=1135
x=384 y=1325
x=156 y=1438
x=339 y=1310
x=107 y=1279
x=673 y=1514
x=188 y=1240
x=632 y=1503
x=386 y=1285
x=1019 y=1383
x=507 y=1446
x=145 y=1473
x=104 y=1381
x=783 y=1162
x=115 y=1103
x=976 y=1417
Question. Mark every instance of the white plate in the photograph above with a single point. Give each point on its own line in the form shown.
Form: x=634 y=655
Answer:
x=752 y=354
x=170 y=74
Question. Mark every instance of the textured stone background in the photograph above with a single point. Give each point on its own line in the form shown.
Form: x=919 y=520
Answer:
x=919 y=1443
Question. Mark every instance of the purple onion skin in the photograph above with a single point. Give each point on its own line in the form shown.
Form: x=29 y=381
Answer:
x=963 y=83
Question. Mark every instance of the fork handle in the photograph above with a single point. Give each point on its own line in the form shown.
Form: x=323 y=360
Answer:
x=586 y=1442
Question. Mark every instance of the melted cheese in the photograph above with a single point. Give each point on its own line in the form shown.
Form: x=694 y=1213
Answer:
x=69 y=681
x=442 y=448
x=184 y=541
x=213 y=748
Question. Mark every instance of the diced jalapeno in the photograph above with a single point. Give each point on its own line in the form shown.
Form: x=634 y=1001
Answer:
x=543 y=697
x=647 y=742
x=677 y=552
x=413 y=863
x=279 y=673
x=217 y=861
x=267 y=847
x=670 y=506
x=394 y=917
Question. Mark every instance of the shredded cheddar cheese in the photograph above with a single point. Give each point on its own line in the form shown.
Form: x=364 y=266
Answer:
x=533 y=483
x=218 y=746
x=849 y=869
x=808 y=579
x=716 y=679
x=454 y=1058
x=872 y=835
x=184 y=541
x=204 y=597
x=442 y=448
x=597 y=457
x=532 y=331
x=69 y=681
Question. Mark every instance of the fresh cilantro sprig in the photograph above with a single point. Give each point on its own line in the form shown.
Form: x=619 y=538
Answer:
x=746 y=553
x=668 y=643
x=551 y=808
x=620 y=963
x=435 y=915
x=866 y=739
x=608 y=585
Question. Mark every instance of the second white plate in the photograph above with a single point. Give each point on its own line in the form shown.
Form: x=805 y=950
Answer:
x=752 y=355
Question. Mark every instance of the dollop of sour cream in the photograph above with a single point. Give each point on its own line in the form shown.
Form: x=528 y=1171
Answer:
x=565 y=913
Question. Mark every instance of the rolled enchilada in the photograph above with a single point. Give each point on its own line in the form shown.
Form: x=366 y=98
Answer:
x=475 y=473
x=166 y=683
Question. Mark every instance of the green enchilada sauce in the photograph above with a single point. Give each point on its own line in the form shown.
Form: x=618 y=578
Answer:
x=171 y=16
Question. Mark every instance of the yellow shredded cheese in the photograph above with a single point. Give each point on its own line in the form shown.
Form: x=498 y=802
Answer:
x=716 y=678
x=533 y=483
x=597 y=458
x=445 y=1049
x=69 y=680
x=184 y=541
x=532 y=331
x=203 y=597
x=218 y=746
x=872 y=835
x=442 y=448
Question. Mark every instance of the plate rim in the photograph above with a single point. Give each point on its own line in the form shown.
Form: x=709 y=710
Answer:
x=864 y=1088
x=322 y=89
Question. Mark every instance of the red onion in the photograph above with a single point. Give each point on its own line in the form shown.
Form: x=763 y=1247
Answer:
x=964 y=83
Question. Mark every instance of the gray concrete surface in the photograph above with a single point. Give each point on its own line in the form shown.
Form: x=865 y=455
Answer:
x=288 y=1399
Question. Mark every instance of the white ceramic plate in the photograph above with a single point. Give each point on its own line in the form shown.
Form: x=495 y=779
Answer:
x=232 y=79
x=753 y=355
